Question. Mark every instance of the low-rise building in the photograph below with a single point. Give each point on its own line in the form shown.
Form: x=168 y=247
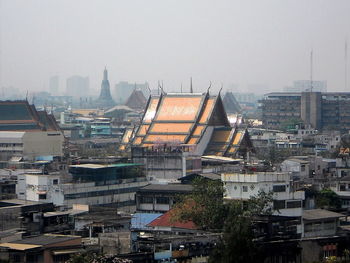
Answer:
x=159 y=198
x=287 y=200
x=44 y=248
x=92 y=184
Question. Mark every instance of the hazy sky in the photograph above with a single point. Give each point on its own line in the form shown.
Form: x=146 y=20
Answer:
x=244 y=42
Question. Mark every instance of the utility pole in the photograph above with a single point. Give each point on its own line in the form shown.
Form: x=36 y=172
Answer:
x=311 y=64
x=346 y=65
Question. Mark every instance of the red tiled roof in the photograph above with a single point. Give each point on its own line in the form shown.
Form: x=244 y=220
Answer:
x=166 y=221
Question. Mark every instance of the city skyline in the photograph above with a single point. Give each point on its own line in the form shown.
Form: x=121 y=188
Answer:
x=236 y=42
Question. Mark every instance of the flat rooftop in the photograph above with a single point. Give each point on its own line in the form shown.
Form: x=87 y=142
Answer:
x=316 y=214
x=101 y=166
x=46 y=239
x=166 y=188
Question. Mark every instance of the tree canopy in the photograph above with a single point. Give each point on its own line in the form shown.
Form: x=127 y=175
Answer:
x=206 y=207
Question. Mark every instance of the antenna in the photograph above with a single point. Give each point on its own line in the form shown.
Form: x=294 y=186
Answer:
x=346 y=64
x=181 y=87
x=311 y=64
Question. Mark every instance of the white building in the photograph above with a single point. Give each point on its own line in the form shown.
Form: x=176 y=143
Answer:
x=298 y=167
x=49 y=188
x=30 y=144
x=242 y=186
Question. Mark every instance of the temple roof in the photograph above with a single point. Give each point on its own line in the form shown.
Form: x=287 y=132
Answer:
x=21 y=116
x=136 y=100
x=231 y=104
x=188 y=119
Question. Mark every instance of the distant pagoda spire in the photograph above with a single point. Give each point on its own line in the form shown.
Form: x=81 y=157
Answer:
x=105 y=99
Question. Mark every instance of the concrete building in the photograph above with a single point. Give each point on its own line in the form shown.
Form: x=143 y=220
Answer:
x=159 y=198
x=305 y=85
x=77 y=86
x=30 y=145
x=54 y=85
x=92 y=184
x=124 y=89
x=298 y=168
x=287 y=200
x=28 y=133
x=321 y=110
x=47 y=248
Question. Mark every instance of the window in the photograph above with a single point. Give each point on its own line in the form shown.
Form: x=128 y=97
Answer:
x=146 y=199
x=303 y=168
x=55 y=181
x=293 y=204
x=42 y=196
x=245 y=188
x=279 y=188
x=279 y=204
x=162 y=200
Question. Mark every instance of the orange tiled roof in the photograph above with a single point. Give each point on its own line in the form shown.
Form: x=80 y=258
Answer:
x=165 y=220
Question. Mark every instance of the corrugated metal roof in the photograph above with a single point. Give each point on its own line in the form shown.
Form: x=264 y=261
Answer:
x=11 y=134
x=19 y=246
x=141 y=220
x=315 y=214
x=167 y=188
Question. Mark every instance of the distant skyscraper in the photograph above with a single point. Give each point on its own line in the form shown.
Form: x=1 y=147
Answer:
x=54 y=85
x=77 y=86
x=305 y=85
x=105 y=100
x=123 y=90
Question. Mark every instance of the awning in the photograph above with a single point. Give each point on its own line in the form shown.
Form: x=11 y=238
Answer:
x=67 y=251
x=220 y=159
x=16 y=159
x=17 y=246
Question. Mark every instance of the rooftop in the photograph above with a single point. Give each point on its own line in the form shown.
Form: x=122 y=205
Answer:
x=166 y=188
x=46 y=239
x=101 y=166
x=166 y=220
x=316 y=214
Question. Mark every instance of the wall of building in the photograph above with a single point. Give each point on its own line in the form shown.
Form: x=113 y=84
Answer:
x=42 y=144
x=244 y=186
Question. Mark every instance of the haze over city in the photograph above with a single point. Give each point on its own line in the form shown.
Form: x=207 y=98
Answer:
x=226 y=42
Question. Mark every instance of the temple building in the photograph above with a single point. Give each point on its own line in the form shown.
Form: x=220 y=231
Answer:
x=192 y=119
x=105 y=100
x=136 y=100
x=177 y=129
x=27 y=133
x=231 y=104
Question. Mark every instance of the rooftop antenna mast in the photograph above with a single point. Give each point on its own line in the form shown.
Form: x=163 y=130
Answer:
x=346 y=64
x=191 y=87
x=311 y=65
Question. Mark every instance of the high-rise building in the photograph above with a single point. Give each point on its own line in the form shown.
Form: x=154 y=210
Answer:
x=105 y=99
x=54 y=85
x=321 y=110
x=123 y=90
x=307 y=86
x=77 y=86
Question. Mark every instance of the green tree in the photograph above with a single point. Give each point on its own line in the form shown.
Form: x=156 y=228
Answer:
x=234 y=219
x=204 y=206
x=326 y=198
